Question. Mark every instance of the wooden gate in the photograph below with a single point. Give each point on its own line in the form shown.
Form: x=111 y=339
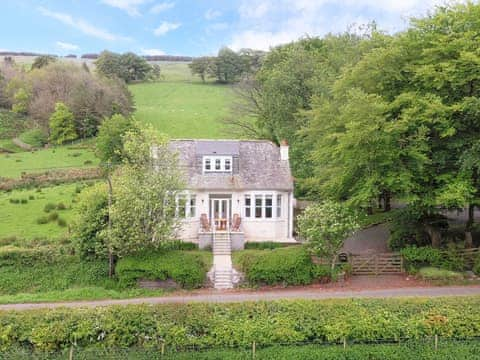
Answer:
x=376 y=264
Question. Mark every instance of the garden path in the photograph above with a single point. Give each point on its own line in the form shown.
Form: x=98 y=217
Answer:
x=307 y=293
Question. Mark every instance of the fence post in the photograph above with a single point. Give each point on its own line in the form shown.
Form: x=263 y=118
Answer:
x=162 y=349
x=70 y=355
x=344 y=343
x=253 y=350
x=436 y=342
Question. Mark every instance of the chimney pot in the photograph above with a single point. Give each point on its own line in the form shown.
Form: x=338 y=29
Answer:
x=283 y=150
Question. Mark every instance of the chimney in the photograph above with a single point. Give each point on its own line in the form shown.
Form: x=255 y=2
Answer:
x=283 y=150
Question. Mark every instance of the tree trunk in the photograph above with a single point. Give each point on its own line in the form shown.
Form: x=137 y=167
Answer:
x=469 y=225
x=379 y=201
x=387 y=198
x=111 y=256
x=333 y=263
x=434 y=234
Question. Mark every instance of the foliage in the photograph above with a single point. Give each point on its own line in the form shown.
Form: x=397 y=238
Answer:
x=42 y=61
x=20 y=101
x=326 y=226
x=188 y=269
x=227 y=66
x=128 y=66
x=200 y=66
x=476 y=266
x=433 y=273
x=182 y=326
x=62 y=126
x=11 y=124
x=34 y=137
x=143 y=210
x=109 y=143
x=283 y=266
x=417 y=257
x=262 y=245
x=91 y=220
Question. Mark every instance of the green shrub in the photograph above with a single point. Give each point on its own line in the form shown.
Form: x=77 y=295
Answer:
x=49 y=207
x=23 y=201
x=262 y=245
x=417 y=257
x=288 y=266
x=188 y=269
x=87 y=162
x=180 y=245
x=52 y=216
x=34 y=137
x=42 y=220
x=199 y=325
x=433 y=273
x=476 y=266
x=61 y=222
x=61 y=206
x=31 y=197
x=14 y=201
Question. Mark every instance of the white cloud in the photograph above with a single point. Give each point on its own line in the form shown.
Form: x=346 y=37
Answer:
x=266 y=23
x=66 y=46
x=152 y=52
x=129 y=6
x=158 y=8
x=165 y=27
x=81 y=25
x=211 y=14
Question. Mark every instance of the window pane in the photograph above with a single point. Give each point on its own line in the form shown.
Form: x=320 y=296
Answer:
x=258 y=206
x=218 y=164
x=193 y=203
x=181 y=207
x=248 y=203
x=208 y=165
x=268 y=206
x=227 y=165
x=279 y=206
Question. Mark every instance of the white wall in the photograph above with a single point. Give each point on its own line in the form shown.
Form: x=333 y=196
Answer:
x=255 y=229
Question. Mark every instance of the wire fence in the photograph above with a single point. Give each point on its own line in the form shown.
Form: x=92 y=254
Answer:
x=163 y=350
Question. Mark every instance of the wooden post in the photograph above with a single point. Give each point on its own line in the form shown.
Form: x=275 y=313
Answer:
x=344 y=343
x=253 y=350
x=162 y=349
x=436 y=342
x=70 y=355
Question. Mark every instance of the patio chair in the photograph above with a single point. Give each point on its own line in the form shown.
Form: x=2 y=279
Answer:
x=236 y=221
x=205 y=223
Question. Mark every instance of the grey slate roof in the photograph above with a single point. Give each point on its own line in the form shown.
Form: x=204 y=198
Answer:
x=256 y=165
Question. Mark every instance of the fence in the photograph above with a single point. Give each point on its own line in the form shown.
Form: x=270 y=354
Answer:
x=376 y=264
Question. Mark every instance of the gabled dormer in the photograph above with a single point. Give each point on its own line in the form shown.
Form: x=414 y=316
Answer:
x=216 y=163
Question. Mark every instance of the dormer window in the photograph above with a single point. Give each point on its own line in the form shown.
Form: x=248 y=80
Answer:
x=217 y=164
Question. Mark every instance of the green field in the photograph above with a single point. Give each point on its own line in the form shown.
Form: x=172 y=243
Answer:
x=63 y=157
x=20 y=220
x=184 y=110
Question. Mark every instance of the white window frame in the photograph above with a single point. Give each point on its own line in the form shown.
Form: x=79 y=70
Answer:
x=213 y=160
x=276 y=207
x=190 y=209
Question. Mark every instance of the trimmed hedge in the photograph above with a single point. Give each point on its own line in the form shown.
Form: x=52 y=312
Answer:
x=264 y=245
x=188 y=269
x=288 y=266
x=199 y=325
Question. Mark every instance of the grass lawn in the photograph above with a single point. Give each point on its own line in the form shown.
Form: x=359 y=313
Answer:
x=20 y=219
x=62 y=157
x=183 y=110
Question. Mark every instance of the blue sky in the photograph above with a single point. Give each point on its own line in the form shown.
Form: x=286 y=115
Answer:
x=193 y=28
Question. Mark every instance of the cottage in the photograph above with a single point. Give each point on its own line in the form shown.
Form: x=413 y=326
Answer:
x=240 y=189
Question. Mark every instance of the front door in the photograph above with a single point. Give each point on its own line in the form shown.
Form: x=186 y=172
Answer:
x=220 y=213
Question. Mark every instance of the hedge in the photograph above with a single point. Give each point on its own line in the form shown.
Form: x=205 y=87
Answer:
x=466 y=350
x=187 y=268
x=200 y=325
x=288 y=266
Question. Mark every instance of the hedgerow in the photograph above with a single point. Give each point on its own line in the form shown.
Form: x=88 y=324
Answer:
x=200 y=325
x=288 y=266
x=188 y=269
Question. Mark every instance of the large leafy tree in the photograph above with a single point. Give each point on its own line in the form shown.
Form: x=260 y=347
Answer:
x=325 y=226
x=143 y=210
x=62 y=125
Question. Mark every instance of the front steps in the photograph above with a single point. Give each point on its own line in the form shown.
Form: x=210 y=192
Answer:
x=222 y=261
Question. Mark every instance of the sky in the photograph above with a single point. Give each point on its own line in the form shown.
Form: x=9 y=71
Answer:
x=191 y=28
